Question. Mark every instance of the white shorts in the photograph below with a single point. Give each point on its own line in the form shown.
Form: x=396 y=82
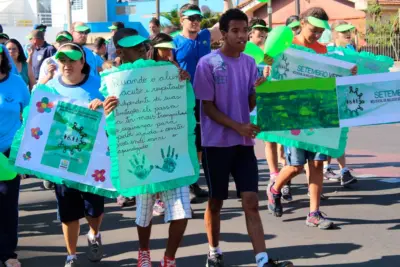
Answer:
x=176 y=203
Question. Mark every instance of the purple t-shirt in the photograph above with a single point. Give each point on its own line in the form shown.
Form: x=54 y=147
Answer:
x=228 y=82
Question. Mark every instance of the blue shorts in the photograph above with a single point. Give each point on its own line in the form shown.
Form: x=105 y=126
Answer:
x=74 y=205
x=221 y=162
x=299 y=157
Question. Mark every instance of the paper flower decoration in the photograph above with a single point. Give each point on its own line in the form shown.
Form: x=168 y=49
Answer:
x=27 y=155
x=98 y=175
x=44 y=105
x=295 y=132
x=36 y=133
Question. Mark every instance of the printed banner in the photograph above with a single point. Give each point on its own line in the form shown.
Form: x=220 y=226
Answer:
x=63 y=141
x=152 y=129
x=369 y=99
x=297 y=104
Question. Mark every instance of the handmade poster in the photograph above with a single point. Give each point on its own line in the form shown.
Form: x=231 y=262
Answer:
x=369 y=99
x=62 y=141
x=297 y=104
x=151 y=131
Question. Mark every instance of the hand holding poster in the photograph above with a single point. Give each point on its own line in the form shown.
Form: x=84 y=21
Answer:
x=62 y=141
x=151 y=132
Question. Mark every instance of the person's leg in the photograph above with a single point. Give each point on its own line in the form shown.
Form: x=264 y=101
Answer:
x=195 y=189
x=345 y=175
x=281 y=153
x=9 y=195
x=71 y=234
x=253 y=221
x=329 y=174
x=271 y=154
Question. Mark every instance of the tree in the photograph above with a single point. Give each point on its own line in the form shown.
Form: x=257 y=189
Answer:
x=209 y=19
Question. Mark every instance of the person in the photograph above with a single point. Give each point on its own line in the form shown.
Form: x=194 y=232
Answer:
x=191 y=45
x=80 y=33
x=225 y=84
x=14 y=96
x=293 y=22
x=49 y=68
x=41 y=51
x=76 y=82
x=154 y=27
x=4 y=38
x=111 y=55
x=29 y=45
x=313 y=23
x=259 y=32
x=40 y=27
x=24 y=69
x=100 y=49
x=130 y=47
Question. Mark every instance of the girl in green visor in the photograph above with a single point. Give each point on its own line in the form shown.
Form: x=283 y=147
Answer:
x=342 y=35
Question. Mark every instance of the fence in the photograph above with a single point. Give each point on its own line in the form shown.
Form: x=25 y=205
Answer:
x=28 y=20
x=384 y=45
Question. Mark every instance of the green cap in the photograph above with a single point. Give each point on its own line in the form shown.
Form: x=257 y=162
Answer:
x=29 y=36
x=344 y=28
x=294 y=24
x=4 y=36
x=113 y=27
x=131 y=41
x=82 y=28
x=63 y=35
x=72 y=54
x=169 y=45
x=192 y=12
x=259 y=26
x=324 y=24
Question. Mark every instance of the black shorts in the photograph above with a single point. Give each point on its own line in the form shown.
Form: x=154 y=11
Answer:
x=198 y=137
x=221 y=162
x=74 y=205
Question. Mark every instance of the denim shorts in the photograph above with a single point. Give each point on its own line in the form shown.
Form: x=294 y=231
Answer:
x=298 y=157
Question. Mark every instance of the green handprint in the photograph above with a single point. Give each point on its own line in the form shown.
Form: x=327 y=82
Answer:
x=139 y=170
x=169 y=164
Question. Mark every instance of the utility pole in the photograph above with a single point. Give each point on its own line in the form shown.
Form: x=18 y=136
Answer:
x=158 y=9
x=297 y=7
x=69 y=14
x=270 y=14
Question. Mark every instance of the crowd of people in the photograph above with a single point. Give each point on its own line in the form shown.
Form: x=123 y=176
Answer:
x=224 y=82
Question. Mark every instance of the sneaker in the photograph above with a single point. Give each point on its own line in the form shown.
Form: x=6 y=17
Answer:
x=74 y=262
x=95 y=252
x=329 y=174
x=48 y=185
x=216 y=260
x=274 y=202
x=12 y=263
x=322 y=196
x=347 y=179
x=158 y=208
x=166 y=262
x=318 y=220
x=144 y=258
x=287 y=192
x=196 y=190
x=272 y=263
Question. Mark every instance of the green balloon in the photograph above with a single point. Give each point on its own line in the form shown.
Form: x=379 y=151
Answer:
x=254 y=51
x=263 y=1
x=279 y=39
x=6 y=170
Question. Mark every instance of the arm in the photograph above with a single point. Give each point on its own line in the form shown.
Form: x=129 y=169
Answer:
x=252 y=102
x=214 y=30
x=212 y=111
x=32 y=80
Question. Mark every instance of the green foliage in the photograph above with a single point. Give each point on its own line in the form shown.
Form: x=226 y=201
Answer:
x=380 y=29
x=209 y=19
x=173 y=17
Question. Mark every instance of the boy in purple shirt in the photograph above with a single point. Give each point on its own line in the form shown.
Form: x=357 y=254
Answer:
x=224 y=83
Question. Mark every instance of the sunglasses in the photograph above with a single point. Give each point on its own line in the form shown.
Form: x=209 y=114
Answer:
x=84 y=33
x=194 y=18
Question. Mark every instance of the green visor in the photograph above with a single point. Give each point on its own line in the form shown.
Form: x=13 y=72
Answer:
x=294 y=24
x=4 y=36
x=72 y=54
x=29 y=36
x=82 y=28
x=131 y=41
x=324 y=24
x=192 y=12
x=113 y=27
x=344 y=28
x=169 y=45
x=63 y=35
x=259 y=26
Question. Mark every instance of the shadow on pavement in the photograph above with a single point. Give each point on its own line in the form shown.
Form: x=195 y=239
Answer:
x=385 y=261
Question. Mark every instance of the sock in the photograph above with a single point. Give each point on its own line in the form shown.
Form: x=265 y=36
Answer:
x=165 y=260
x=70 y=257
x=261 y=259
x=313 y=213
x=345 y=169
x=214 y=251
x=273 y=191
x=91 y=235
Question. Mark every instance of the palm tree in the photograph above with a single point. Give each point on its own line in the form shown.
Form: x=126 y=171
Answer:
x=209 y=19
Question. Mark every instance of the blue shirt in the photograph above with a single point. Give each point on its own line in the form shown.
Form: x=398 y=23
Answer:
x=39 y=55
x=92 y=61
x=188 y=52
x=87 y=90
x=14 y=69
x=111 y=50
x=14 y=96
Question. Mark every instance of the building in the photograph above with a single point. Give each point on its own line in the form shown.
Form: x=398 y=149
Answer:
x=389 y=7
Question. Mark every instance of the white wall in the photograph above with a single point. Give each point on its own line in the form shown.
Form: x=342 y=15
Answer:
x=20 y=33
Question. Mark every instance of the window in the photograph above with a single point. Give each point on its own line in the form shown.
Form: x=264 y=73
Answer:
x=126 y=10
x=77 y=5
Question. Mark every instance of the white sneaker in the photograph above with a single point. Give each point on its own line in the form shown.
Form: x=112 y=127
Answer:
x=12 y=263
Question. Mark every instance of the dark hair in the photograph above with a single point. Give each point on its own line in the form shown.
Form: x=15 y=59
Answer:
x=21 y=55
x=186 y=7
x=78 y=47
x=315 y=12
x=66 y=40
x=257 y=21
x=158 y=39
x=228 y=16
x=5 y=65
x=122 y=33
x=155 y=21
x=292 y=19
x=99 y=42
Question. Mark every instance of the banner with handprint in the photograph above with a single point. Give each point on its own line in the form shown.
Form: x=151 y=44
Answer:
x=151 y=131
x=62 y=141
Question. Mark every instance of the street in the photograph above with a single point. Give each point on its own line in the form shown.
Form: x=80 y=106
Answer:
x=367 y=218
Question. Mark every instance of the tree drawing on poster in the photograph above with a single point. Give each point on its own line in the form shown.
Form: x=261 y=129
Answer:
x=152 y=129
